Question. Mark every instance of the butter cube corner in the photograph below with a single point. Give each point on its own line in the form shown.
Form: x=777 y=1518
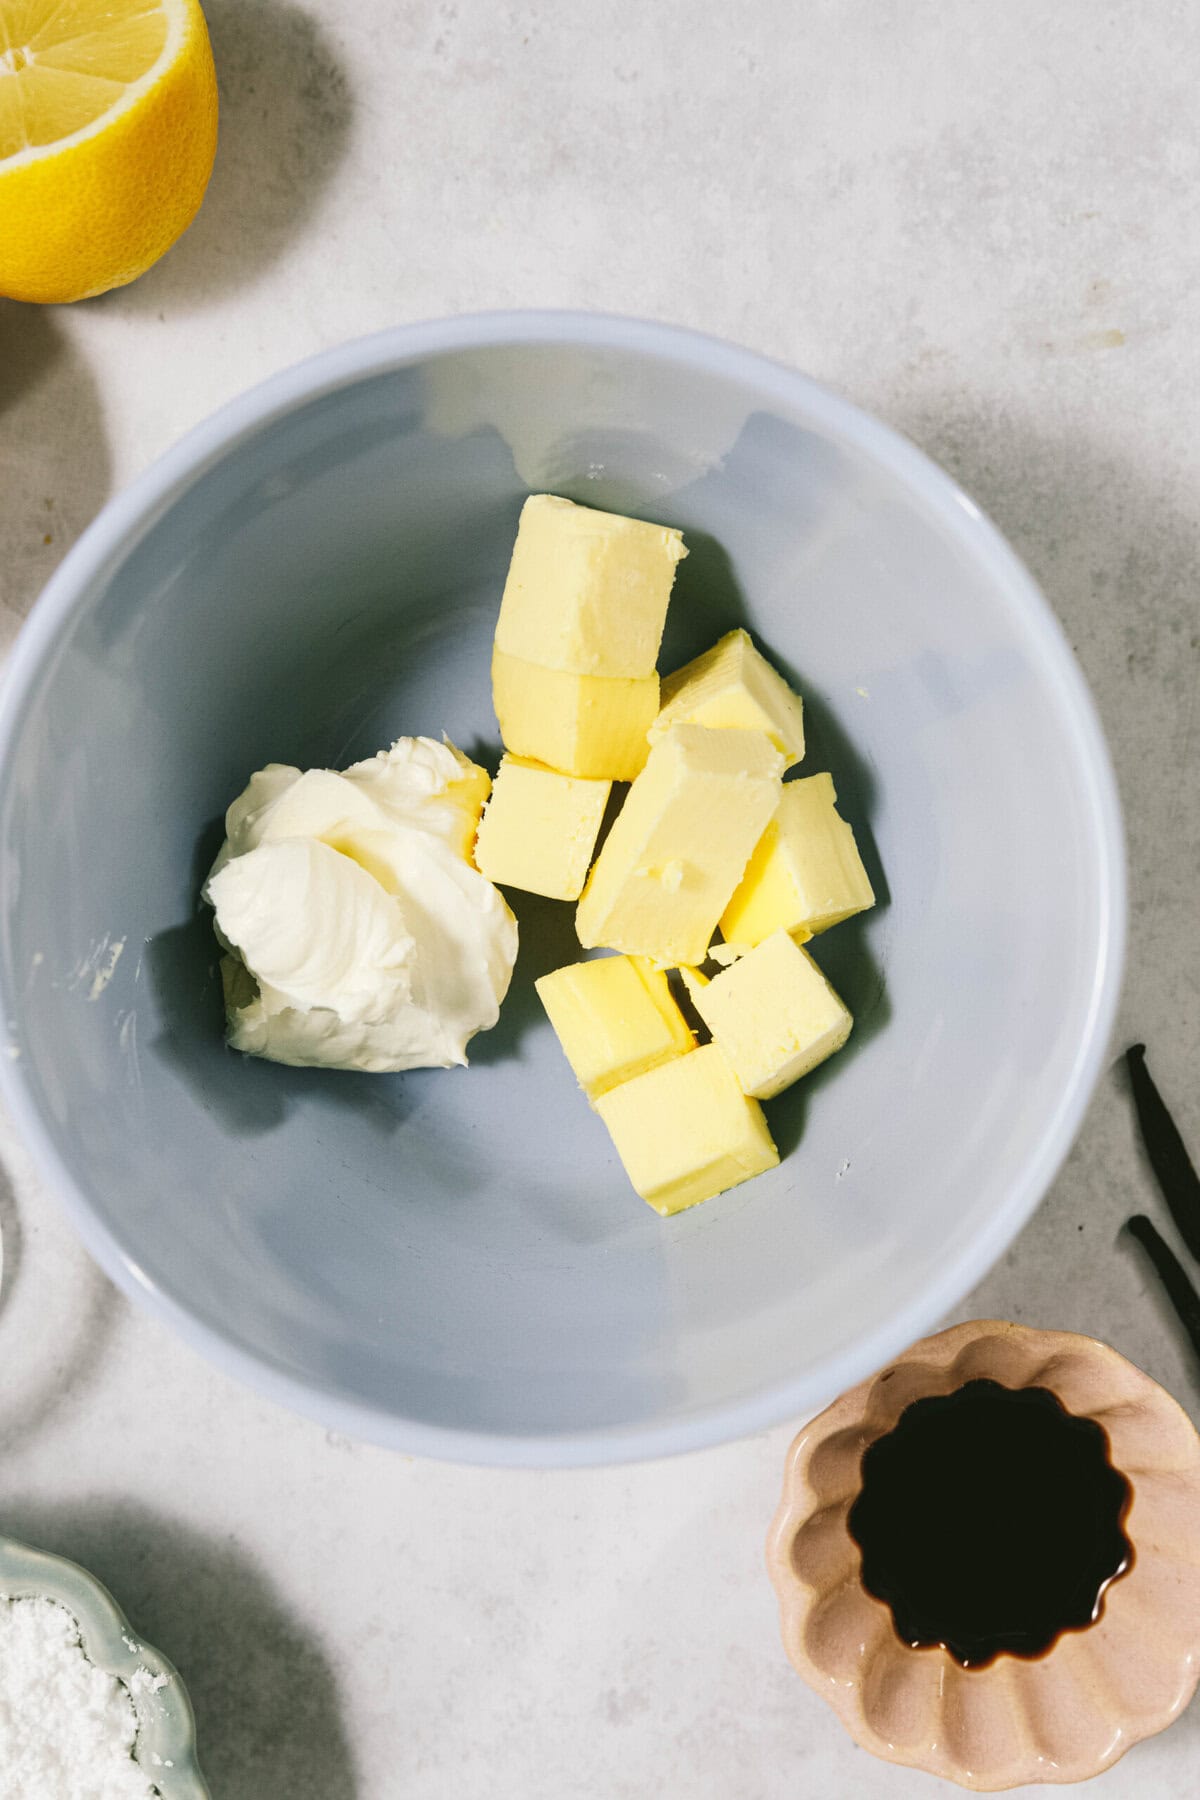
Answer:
x=539 y=829
x=615 y=1018
x=685 y=1131
x=733 y=685
x=806 y=873
x=773 y=1015
x=694 y=982
x=587 y=591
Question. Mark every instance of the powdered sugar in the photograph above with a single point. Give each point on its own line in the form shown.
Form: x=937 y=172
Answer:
x=67 y=1729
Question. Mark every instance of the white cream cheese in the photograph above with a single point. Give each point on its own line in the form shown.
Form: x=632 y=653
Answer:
x=360 y=934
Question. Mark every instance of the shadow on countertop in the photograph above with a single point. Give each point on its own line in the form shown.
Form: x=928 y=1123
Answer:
x=55 y=466
x=286 y=111
x=10 y=1240
x=268 y=1723
x=65 y=1352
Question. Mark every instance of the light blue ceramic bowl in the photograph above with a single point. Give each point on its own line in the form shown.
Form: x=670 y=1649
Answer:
x=453 y=1263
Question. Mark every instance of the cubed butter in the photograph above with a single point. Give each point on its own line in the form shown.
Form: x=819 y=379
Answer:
x=772 y=1014
x=540 y=828
x=695 y=981
x=589 y=725
x=587 y=591
x=806 y=873
x=615 y=1018
x=680 y=844
x=733 y=684
x=468 y=797
x=685 y=1131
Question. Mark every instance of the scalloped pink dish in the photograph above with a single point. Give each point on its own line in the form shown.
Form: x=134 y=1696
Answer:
x=1061 y=1716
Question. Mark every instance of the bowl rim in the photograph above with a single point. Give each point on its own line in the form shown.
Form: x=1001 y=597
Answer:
x=166 y=1724
x=129 y=514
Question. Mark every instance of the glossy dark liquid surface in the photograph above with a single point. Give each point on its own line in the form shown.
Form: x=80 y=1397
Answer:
x=990 y=1520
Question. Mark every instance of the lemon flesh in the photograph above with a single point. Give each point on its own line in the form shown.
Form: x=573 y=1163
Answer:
x=108 y=120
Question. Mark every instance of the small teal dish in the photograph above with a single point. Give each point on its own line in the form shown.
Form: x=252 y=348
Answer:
x=165 y=1750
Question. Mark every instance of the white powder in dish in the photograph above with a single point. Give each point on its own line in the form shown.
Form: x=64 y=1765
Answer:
x=67 y=1729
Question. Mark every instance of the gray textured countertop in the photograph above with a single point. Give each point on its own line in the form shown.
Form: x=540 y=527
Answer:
x=982 y=223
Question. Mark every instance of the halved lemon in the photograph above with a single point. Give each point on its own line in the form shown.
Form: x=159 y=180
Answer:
x=108 y=128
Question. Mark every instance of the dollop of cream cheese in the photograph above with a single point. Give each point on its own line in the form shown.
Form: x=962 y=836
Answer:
x=358 y=932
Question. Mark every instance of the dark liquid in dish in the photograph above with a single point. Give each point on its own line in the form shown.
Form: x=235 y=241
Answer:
x=990 y=1520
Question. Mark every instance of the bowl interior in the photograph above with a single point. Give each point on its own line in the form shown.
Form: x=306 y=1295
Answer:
x=453 y=1260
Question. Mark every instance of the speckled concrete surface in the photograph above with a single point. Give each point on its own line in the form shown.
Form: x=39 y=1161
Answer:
x=981 y=222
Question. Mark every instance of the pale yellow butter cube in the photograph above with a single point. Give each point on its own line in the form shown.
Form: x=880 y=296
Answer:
x=686 y=1131
x=806 y=873
x=733 y=684
x=589 y=725
x=695 y=981
x=468 y=797
x=680 y=844
x=615 y=1018
x=773 y=1015
x=539 y=829
x=587 y=591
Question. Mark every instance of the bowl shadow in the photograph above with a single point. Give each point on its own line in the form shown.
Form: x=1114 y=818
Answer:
x=11 y=1241
x=57 y=1357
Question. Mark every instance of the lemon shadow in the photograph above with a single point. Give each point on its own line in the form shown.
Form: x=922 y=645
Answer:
x=286 y=113
x=55 y=468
